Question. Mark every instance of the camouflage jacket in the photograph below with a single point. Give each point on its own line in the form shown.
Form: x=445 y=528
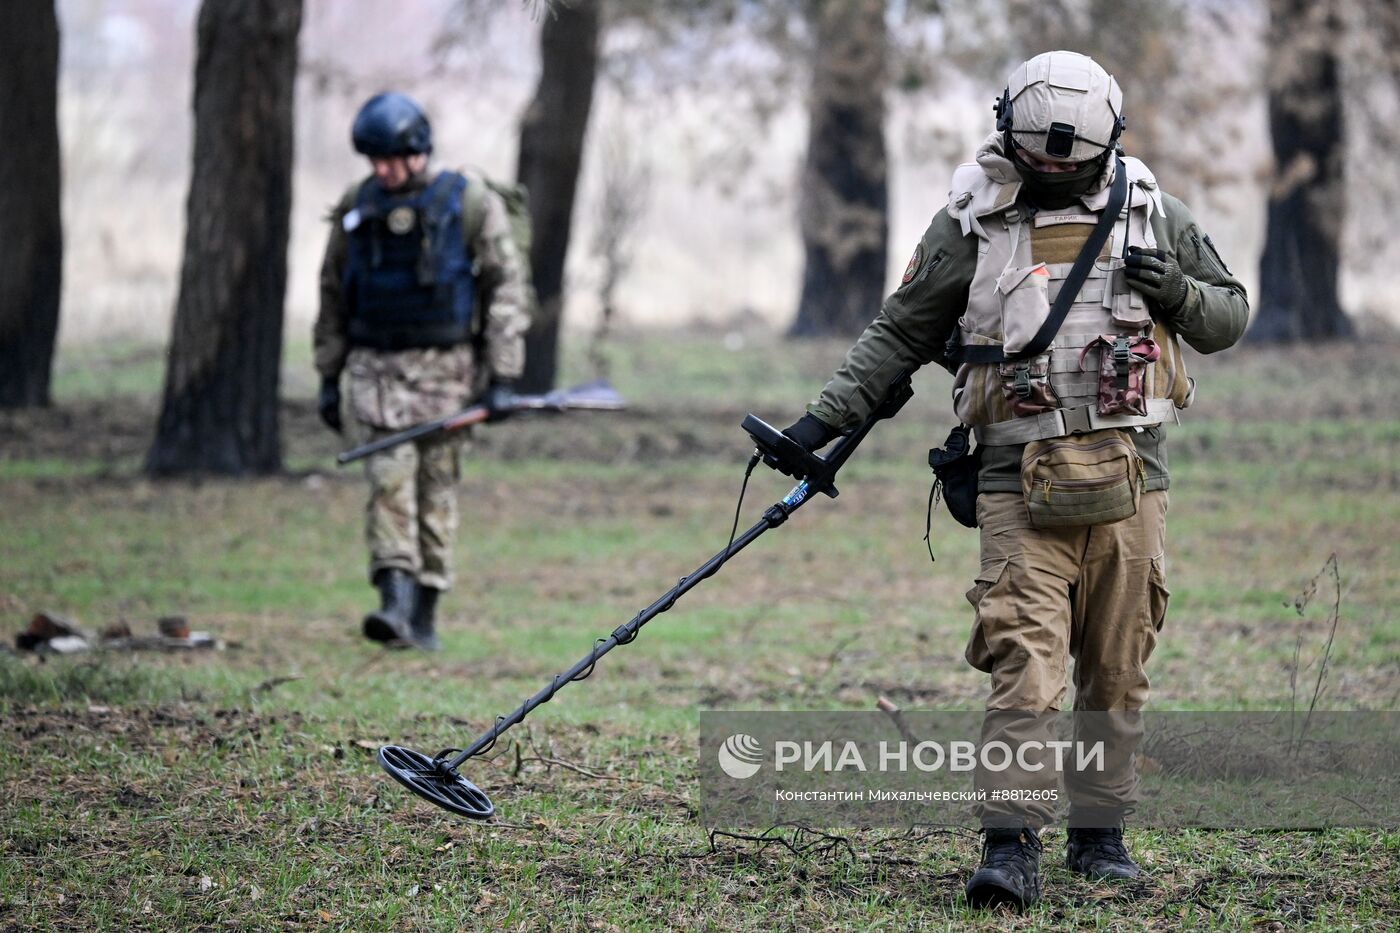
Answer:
x=915 y=322
x=395 y=390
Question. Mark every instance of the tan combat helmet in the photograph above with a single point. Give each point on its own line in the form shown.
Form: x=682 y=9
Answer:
x=1062 y=105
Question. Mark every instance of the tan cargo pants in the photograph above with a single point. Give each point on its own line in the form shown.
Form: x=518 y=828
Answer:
x=1043 y=596
x=411 y=519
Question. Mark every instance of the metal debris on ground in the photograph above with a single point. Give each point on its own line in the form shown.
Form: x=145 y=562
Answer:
x=49 y=633
x=45 y=628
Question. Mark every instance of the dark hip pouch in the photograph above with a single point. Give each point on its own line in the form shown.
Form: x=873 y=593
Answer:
x=955 y=466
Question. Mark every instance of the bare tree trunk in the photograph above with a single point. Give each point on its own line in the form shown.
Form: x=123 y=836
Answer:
x=845 y=199
x=551 y=150
x=1298 y=297
x=220 y=409
x=31 y=228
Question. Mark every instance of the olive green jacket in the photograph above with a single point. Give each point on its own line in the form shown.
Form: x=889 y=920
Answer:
x=915 y=323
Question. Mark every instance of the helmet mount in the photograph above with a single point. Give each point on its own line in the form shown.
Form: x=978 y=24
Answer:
x=1067 y=106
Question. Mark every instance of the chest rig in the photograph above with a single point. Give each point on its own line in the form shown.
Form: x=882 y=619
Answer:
x=1024 y=258
x=408 y=276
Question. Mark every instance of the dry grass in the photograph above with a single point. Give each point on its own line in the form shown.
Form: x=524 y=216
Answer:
x=238 y=789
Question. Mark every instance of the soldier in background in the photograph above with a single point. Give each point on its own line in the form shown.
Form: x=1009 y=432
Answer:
x=424 y=301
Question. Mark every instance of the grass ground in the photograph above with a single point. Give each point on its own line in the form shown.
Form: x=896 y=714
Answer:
x=239 y=788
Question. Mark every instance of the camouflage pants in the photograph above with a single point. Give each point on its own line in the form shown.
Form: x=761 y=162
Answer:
x=411 y=519
x=1096 y=595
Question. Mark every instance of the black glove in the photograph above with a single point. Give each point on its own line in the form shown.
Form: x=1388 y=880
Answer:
x=811 y=432
x=499 y=399
x=1157 y=276
x=328 y=404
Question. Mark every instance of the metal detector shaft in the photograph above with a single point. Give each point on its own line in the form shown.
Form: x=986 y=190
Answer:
x=436 y=778
x=775 y=515
x=772 y=518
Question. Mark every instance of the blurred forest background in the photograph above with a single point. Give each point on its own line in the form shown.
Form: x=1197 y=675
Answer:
x=747 y=166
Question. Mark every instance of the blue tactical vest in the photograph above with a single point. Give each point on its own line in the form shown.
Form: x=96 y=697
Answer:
x=408 y=276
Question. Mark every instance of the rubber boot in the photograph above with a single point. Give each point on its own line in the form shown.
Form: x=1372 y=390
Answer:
x=1099 y=854
x=1010 y=869
x=392 y=623
x=423 y=635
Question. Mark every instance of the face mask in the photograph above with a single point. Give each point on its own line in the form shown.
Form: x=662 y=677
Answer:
x=1056 y=190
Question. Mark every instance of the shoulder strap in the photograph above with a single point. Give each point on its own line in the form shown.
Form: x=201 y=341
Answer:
x=443 y=196
x=474 y=207
x=1070 y=287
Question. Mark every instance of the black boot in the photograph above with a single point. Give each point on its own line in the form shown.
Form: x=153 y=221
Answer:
x=1099 y=854
x=1010 y=869
x=392 y=623
x=423 y=635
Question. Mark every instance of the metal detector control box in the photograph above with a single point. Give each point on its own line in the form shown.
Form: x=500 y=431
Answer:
x=788 y=457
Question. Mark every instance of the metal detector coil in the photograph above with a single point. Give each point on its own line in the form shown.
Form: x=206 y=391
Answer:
x=436 y=779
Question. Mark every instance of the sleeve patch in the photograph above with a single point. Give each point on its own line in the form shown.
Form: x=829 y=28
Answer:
x=916 y=262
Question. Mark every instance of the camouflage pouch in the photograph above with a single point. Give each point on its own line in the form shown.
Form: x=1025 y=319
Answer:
x=1026 y=386
x=1123 y=362
x=1082 y=479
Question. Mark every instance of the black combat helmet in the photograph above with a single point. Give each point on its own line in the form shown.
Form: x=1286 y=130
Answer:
x=391 y=124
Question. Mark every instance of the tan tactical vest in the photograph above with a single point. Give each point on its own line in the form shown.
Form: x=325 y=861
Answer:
x=1002 y=309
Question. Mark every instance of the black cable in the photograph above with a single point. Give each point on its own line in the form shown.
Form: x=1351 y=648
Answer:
x=728 y=548
x=1128 y=224
x=738 y=506
x=935 y=492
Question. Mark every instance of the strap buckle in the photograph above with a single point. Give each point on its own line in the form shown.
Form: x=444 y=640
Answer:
x=1077 y=420
x=1122 y=358
x=1021 y=384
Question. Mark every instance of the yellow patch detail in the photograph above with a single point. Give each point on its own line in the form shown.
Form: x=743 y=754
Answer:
x=1059 y=243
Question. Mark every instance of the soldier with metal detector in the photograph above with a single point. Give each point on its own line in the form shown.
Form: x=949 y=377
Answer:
x=1055 y=285
x=425 y=301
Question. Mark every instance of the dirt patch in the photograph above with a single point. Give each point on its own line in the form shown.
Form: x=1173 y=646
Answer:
x=111 y=431
x=144 y=727
x=115 y=434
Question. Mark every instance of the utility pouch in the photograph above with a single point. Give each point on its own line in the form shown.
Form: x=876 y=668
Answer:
x=955 y=474
x=1126 y=305
x=1026 y=386
x=1082 y=479
x=1123 y=362
x=1024 y=294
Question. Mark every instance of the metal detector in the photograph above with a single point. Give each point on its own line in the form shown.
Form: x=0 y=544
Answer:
x=592 y=396
x=436 y=778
